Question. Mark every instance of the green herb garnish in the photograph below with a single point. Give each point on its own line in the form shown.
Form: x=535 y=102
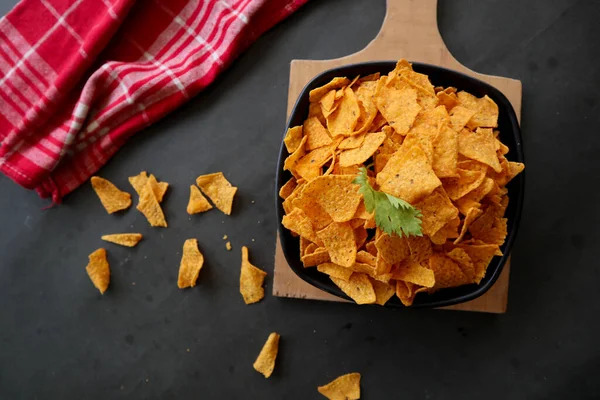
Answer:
x=392 y=215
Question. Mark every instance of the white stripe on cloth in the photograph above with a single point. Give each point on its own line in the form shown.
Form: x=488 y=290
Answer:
x=69 y=28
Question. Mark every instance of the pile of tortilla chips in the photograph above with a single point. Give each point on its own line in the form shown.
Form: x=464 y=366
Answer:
x=436 y=148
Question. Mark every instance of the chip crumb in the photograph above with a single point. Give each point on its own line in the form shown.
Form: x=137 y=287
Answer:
x=133 y=283
x=253 y=240
x=228 y=246
x=265 y=362
x=252 y=201
x=188 y=350
x=224 y=237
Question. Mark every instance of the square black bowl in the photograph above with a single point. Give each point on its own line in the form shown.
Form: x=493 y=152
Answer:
x=510 y=134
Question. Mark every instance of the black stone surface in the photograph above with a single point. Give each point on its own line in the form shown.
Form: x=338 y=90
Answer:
x=59 y=339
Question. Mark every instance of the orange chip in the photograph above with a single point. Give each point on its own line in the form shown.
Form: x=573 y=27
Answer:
x=407 y=291
x=489 y=227
x=318 y=217
x=463 y=260
x=447 y=100
x=124 y=239
x=472 y=199
x=251 y=280
x=365 y=257
x=336 y=194
x=191 y=264
x=392 y=248
x=486 y=111
x=360 y=235
x=383 y=291
x=111 y=197
x=479 y=146
x=293 y=138
x=337 y=271
x=371 y=248
x=345 y=117
x=447 y=272
x=218 y=189
x=292 y=160
x=420 y=248
x=328 y=103
x=398 y=107
x=159 y=188
x=352 y=170
x=317 y=136
x=287 y=189
x=98 y=270
x=317 y=257
x=297 y=221
x=514 y=169
x=336 y=83
x=359 y=288
x=413 y=272
x=364 y=152
x=437 y=210
x=382 y=267
x=465 y=183
x=448 y=231
x=310 y=247
x=408 y=175
x=309 y=166
x=314 y=110
x=150 y=207
x=459 y=116
x=138 y=182
x=445 y=153
x=197 y=202
x=352 y=142
x=380 y=161
x=346 y=387
x=480 y=255
x=471 y=216
x=368 y=109
x=338 y=239
x=288 y=203
x=265 y=363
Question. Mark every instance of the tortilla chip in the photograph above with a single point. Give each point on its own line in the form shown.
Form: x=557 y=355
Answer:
x=293 y=138
x=318 y=217
x=413 y=272
x=364 y=152
x=314 y=110
x=218 y=189
x=352 y=142
x=448 y=231
x=297 y=221
x=471 y=216
x=98 y=270
x=124 y=239
x=383 y=291
x=479 y=146
x=287 y=189
x=338 y=239
x=472 y=199
x=465 y=183
x=408 y=175
x=336 y=194
x=288 y=203
x=360 y=235
x=345 y=117
x=111 y=197
x=159 y=188
x=346 y=387
x=359 y=288
x=292 y=160
x=480 y=255
x=392 y=248
x=420 y=248
x=407 y=291
x=317 y=257
x=437 y=210
x=365 y=257
x=459 y=116
x=309 y=166
x=398 y=107
x=447 y=100
x=489 y=227
x=310 y=247
x=265 y=363
x=197 y=202
x=445 y=153
x=447 y=272
x=318 y=93
x=337 y=271
x=317 y=136
x=486 y=110
x=328 y=104
x=251 y=280
x=150 y=207
x=138 y=182
x=460 y=257
x=191 y=264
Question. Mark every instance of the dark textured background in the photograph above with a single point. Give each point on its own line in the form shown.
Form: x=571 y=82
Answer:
x=60 y=339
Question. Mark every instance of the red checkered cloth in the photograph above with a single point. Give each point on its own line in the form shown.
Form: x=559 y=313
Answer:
x=79 y=77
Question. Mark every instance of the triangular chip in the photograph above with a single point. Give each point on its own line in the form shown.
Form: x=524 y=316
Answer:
x=359 y=288
x=364 y=152
x=471 y=216
x=297 y=221
x=159 y=188
x=111 y=197
x=124 y=239
x=413 y=272
x=288 y=188
x=309 y=166
x=338 y=239
x=251 y=280
x=445 y=153
x=265 y=363
x=317 y=257
x=337 y=271
x=191 y=264
x=437 y=210
x=407 y=291
x=98 y=270
x=197 y=202
x=336 y=83
x=447 y=272
x=460 y=257
x=316 y=135
x=337 y=195
x=392 y=248
x=346 y=387
x=150 y=207
x=352 y=142
x=479 y=146
x=138 y=182
x=466 y=182
x=398 y=107
x=383 y=291
x=345 y=117
x=486 y=110
x=480 y=255
x=218 y=189
x=459 y=116
x=420 y=248
x=292 y=139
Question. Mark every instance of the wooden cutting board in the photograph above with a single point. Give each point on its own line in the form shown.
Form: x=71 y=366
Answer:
x=409 y=31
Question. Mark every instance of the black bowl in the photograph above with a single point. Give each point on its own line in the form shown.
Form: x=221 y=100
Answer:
x=510 y=134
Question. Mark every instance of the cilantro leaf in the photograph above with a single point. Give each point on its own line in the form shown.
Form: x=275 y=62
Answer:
x=392 y=215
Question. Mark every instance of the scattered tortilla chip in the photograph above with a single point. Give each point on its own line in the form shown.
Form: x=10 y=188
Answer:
x=218 y=189
x=413 y=272
x=191 y=264
x=479 y=146
x=358 y=288
x=338 y=239
x=346 y=387
x=408 y=175
x=336 y=83
x=316 y=135
x=317 y=257
x=159 y=188
x=197 y=202
x=337 y=271
x=124 y=239
x=138 y=182
x=447 y=272
x=383 y=291
x=228 y=246
x=150 y=207
x=364 y=152
x=345 y=117
x=251 y=280
x=265 y=363
x=293 y=138
x=111 y=197
x=98 y=270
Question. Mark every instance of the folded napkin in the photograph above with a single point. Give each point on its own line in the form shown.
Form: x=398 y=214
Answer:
x=79 y=77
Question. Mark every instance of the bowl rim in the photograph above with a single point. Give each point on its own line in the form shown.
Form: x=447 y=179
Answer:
x=517 y=200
